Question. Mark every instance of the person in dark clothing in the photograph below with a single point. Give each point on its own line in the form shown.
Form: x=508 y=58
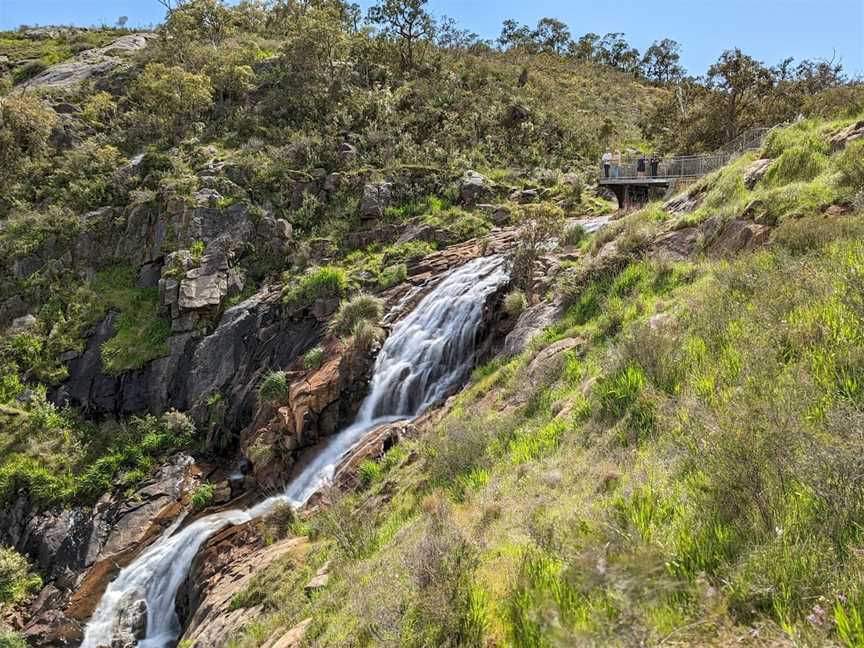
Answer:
x=640 y=166
x=654 y=162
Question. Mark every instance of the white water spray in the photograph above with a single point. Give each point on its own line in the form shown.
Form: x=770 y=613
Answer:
x=427 y=354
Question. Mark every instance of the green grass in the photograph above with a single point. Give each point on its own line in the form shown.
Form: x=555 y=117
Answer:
x=327 y=282
x=59 y=459
x=141 y=334
x=664 y=473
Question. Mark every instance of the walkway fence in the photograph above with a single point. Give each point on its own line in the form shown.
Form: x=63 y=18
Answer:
x=691 y=166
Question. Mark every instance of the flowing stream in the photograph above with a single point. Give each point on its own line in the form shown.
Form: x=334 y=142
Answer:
x=427 y=354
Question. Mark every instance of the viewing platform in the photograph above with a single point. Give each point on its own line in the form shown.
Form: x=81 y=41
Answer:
x=630 y=186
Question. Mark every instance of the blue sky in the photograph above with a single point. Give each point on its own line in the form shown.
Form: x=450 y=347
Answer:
x=767 y=29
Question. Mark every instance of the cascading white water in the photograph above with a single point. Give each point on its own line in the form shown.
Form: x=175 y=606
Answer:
x=427 y=354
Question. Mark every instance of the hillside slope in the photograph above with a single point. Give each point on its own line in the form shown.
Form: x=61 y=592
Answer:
x=673 y=461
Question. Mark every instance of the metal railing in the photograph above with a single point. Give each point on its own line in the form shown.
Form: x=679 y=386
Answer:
x=688 y=166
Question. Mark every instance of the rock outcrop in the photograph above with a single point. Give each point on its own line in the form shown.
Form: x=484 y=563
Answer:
x=221 y=369
x=376 y=198
x=319 y=403
x=79 y=550
x=323 y=400
x=475 y=188
x=755 y=171
x=90 y=64
x=222 y=569
x=530 y=323
x=846 y=136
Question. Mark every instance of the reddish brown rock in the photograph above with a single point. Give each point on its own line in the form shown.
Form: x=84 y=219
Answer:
x=676 y=245
x=293 y=638
x=221 y=570
x=739 y=236
x=846 y=136
x=319 y=403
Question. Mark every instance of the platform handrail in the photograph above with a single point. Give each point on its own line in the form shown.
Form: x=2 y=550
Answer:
x=686 y=166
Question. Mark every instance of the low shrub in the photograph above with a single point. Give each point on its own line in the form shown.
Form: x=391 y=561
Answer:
x=278 y=523
x=850 y=165
x=327 y=282
x=514 y=303
x=574 y=235
x=796 y=164
x=369 y=472
x=801 y=134
x=361 y=308
x=392 y=275
x=804 y=235
x=17 y=582
x=275 y=387
x=313 y=358
x=407 y=252
x=202 y=496
x=141 y=335
x=447 y=608
x=365 y=335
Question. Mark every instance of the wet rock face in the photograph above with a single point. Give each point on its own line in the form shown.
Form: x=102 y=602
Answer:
x=131 y=625
x=79 y=550
x=249 y=339
x=319 y=403
x=324 y=400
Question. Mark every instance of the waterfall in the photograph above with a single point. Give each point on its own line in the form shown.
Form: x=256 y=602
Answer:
x=428 y=353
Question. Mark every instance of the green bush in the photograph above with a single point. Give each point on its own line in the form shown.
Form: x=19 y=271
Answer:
x=459 y=224
x=16 y=580
x=327 y=282
x=797 y=163
x=361 y=308
x=369 y=472
x=514 y=303
x=365 y=335
x=141 y=334
x=202 y=497
x=168 y=99
x=802 y=134
x=10 y=639
x=392 y=275
x=87 y=177
x=408 y=251
x=574 y=235
x=88 y=461
x=313 y=358
x=805 y=235
x=544 y=589
x=275 y=387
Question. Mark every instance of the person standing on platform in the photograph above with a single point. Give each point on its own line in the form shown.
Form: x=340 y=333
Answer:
x=607 y=162
x=654 y=162
x=640 y=166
